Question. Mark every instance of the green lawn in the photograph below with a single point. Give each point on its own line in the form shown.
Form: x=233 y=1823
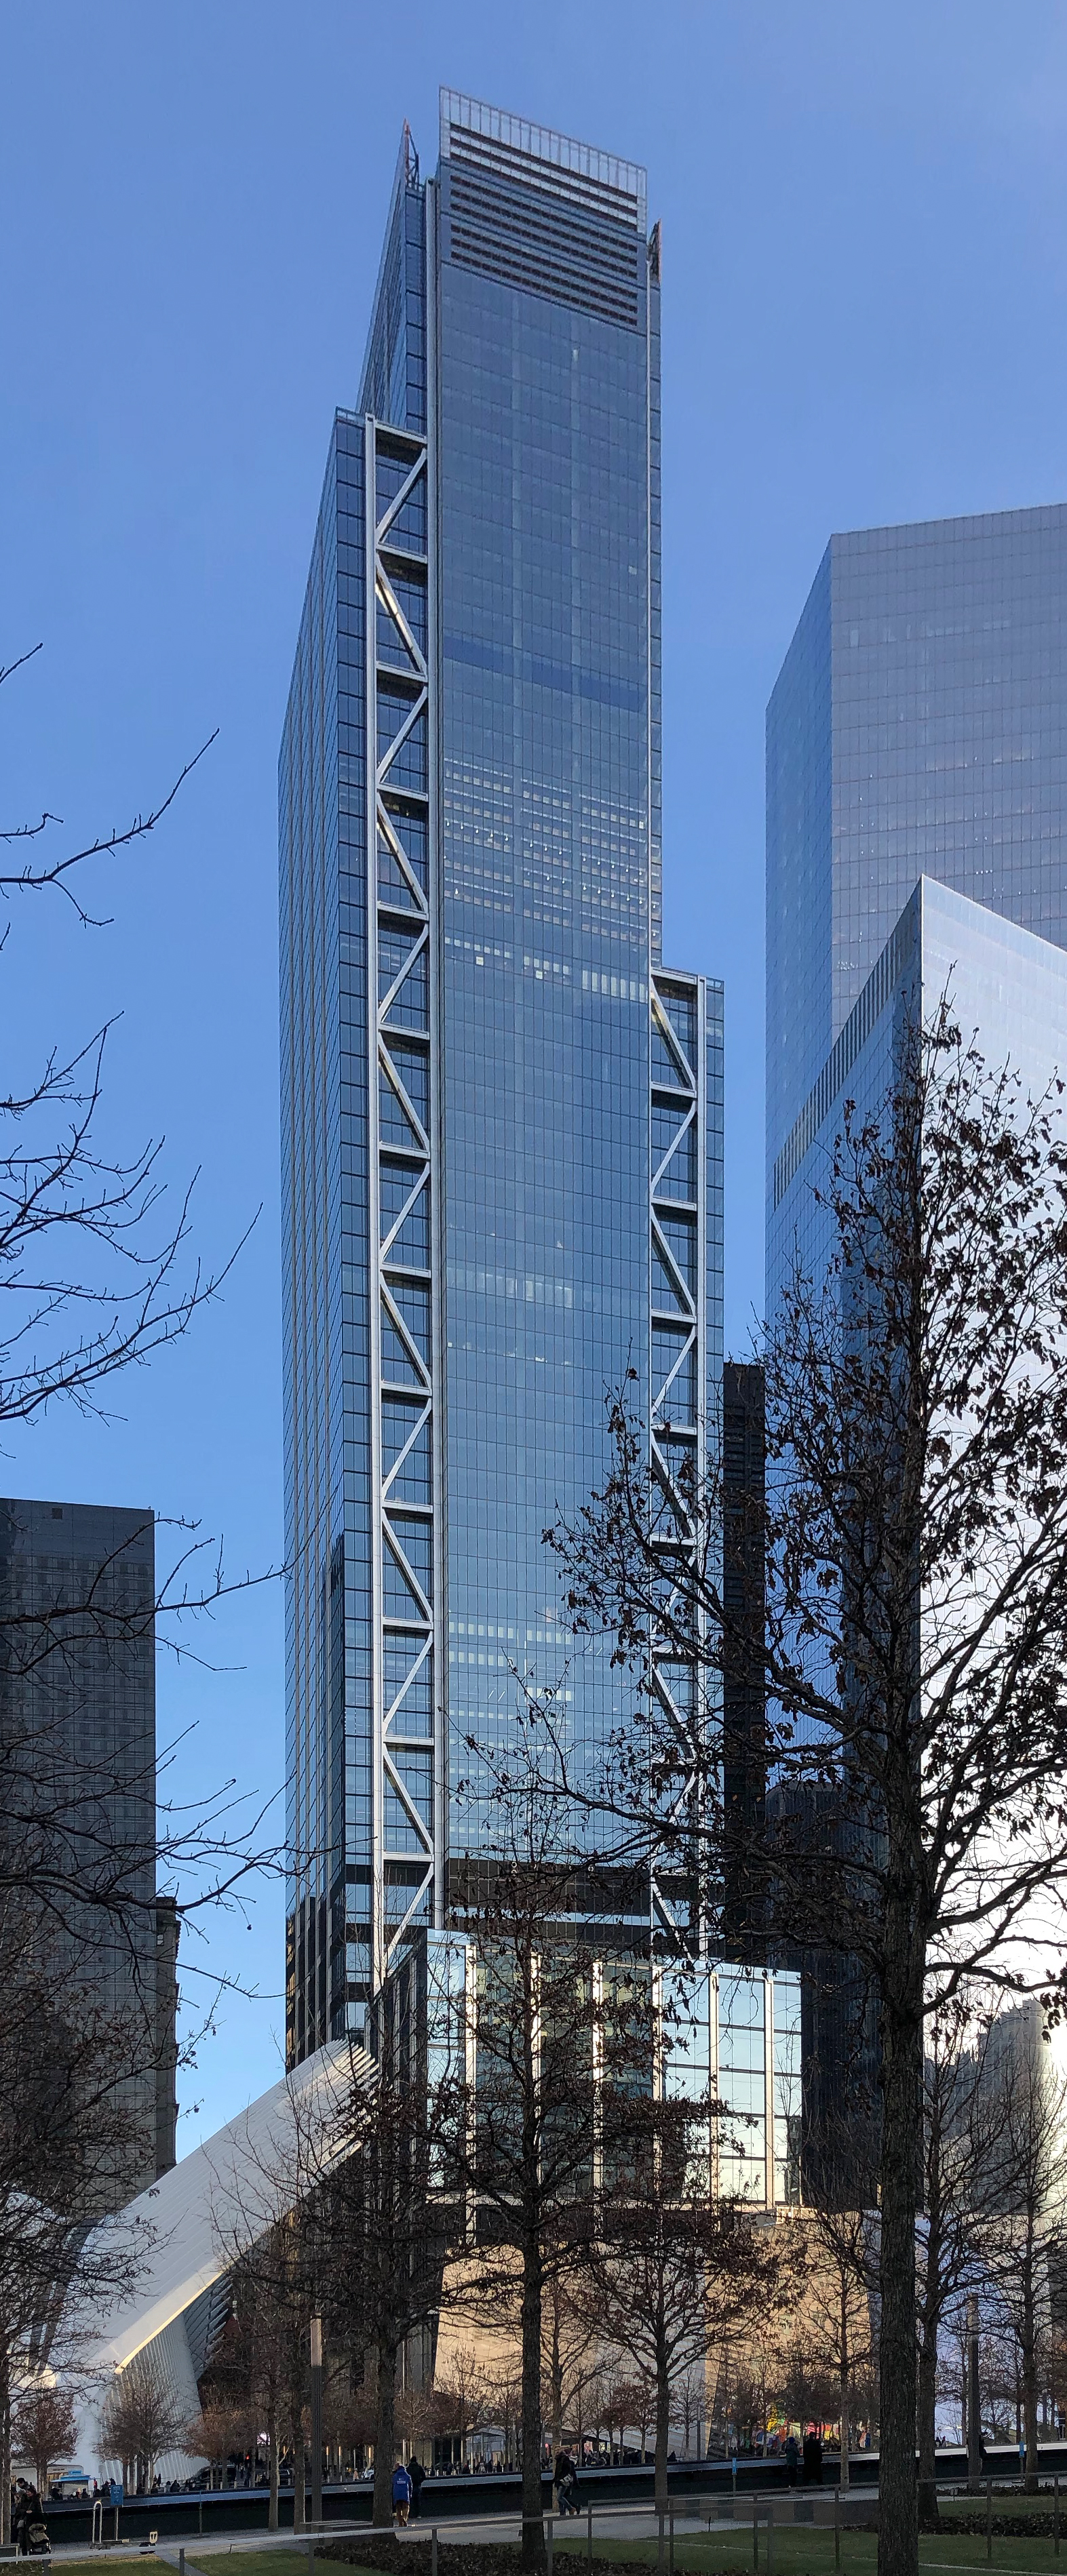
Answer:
x=258 y=2562
x=253 y=2562
x=805 y=2551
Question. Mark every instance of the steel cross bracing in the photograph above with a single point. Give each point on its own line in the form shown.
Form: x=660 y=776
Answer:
x=405 y=1434
x=678 y=1424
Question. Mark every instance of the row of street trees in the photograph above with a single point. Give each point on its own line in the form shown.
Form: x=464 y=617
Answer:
x=518 y=2162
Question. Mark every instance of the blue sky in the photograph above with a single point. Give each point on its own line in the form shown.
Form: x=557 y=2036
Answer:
x=865 y=276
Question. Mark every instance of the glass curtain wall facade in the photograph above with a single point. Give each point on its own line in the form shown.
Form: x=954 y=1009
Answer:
x=729 y=2036
x=1004 y=984
x=502 y=1116
x=918 y=727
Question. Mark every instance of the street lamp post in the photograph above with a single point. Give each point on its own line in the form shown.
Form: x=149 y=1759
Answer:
x=316 y=2420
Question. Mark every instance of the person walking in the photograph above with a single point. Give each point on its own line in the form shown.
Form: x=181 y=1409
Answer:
x=792 y=2458
x=29 y=2530
x=566 y=2477
x=401 y=2495
x=416 y=2473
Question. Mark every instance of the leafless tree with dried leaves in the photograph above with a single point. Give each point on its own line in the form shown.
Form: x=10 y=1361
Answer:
x=914 y=1534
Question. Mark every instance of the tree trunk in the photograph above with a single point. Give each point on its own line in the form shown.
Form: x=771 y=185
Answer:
x=1028 y=2369
x=928 y=2509
x=845 y=2391
x=901 y=2081
x=1030 y=2423
x=557 y=2378
x=299 y=2473
x=272 y=2448
x=384 y=2434
x=5 y=2446
x=663 y=2426
x=533 y=2529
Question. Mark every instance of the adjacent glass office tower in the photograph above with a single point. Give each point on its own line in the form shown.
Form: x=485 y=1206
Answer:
x=918 y=727
x=501 y=1114
x=916 y=844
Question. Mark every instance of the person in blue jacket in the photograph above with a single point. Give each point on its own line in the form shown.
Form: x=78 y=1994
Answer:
x=401 y=2495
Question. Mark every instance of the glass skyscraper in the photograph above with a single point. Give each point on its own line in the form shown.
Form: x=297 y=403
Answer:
x=501 y=1115
x=918 y=728
x=916 y=847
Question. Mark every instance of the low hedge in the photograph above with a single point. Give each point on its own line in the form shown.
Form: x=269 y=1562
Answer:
x=457 y=2558
x=1004 y=2526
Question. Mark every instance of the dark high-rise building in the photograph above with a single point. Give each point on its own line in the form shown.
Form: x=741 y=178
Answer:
x=501 y=1114
x=78 y=1712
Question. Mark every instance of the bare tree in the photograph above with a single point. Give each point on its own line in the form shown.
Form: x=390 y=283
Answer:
x=572 y=2328
x=669 y=2274
x=1024 y=2235
x=93 y=1280
x=842 y=2281
x=96 y=1278
x=43 y=2427
x=214 y=2434
x=506 y=2404
x=529 y=2129
x=273 y=2245
x=65 y=2133
x=262 y=2353
x=915 y=1545
x=140 y=2422
x=348 y=2226
x=463 y=2396
x=377 y=2228
x=691 y=2398
x=961 y=2136
x=673 y=2263
x=40 y=869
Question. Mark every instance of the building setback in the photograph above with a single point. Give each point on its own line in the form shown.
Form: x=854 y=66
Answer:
x=501 y=1114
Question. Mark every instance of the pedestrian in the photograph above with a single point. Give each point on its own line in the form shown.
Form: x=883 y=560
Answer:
x=29 y=2530
x=401 y=2495
x=566 y=2477
x=416 y=2473
x=20 y=2516
x=792 y=2458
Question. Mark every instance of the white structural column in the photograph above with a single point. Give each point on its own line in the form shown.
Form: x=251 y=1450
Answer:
x=402 y=969
x=678 y=1427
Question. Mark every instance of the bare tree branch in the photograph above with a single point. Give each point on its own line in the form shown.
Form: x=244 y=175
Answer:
x=34 y=878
